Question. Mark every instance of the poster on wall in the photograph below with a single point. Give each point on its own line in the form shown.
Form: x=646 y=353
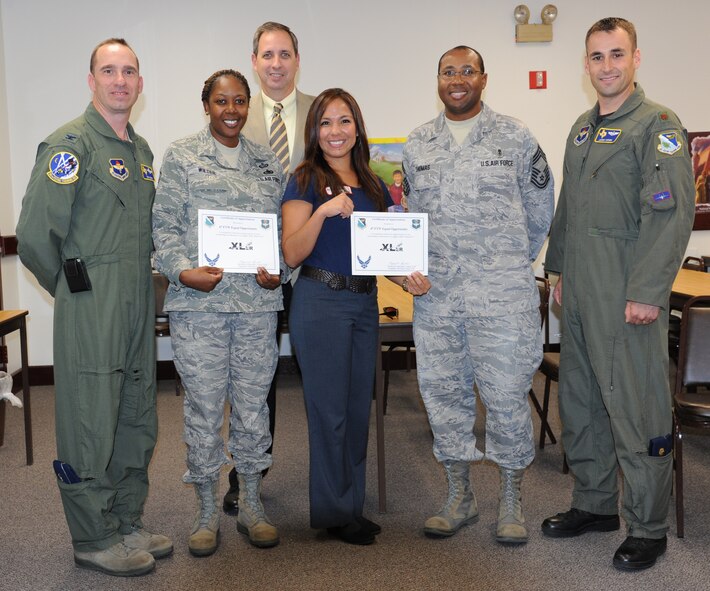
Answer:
x=699 y=142
x=386 y=163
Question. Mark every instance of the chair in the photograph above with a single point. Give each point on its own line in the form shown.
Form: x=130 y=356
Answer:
x=695 y=264
x=408 y=345
x=162 y=325
x=690 y=407
x=550 y=366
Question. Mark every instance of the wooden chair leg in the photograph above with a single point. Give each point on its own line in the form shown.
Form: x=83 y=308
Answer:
x=678 y=463
x=543 y=417
x=2 y=422
x=544 y=426
x=386 y=368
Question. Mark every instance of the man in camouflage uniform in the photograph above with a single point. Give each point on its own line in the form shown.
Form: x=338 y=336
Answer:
x=486 y=186
x=623 y=221
x=89 y=198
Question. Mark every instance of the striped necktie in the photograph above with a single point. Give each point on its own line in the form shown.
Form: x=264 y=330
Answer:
x=278 y=140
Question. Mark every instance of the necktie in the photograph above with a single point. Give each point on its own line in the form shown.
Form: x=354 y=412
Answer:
x=278 y=140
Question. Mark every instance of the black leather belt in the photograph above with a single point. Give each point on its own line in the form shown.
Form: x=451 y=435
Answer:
x=336 y=281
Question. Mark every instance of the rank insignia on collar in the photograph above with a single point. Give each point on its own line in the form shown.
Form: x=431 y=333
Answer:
x=670 y=143
x=63 y=168
x=117 y=169
x=606 y=135
x=147 y=173
x=582 y=136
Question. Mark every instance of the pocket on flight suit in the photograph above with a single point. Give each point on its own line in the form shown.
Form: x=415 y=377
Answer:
x=651 y=483
x=137 y=397
x=98 y=400
x=656 y=194
x=84 y=510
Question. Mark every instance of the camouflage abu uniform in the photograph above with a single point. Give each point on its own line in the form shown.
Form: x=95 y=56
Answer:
x=223 y=341
x=490 y=203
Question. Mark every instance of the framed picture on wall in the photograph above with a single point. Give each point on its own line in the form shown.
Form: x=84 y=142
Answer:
x=386 y=163
x=699 y=143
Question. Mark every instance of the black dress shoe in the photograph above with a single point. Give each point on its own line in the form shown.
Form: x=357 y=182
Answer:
x=352 y=533
x=576 y=522
x=231 y=499
x=369 y=526
x=639 y=553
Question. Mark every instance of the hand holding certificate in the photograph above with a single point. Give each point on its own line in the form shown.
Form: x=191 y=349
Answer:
x=239 y=242
x=389 y=243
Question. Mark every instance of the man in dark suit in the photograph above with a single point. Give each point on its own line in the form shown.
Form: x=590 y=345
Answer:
x=277 y=117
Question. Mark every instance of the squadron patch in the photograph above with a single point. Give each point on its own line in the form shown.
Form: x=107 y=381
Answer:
x=606 y=135
x=117 y=169
x=63 y=168
x=662 y=196
x=147 y=173
x=582 y=136
x=540 y=176
x=670 y=143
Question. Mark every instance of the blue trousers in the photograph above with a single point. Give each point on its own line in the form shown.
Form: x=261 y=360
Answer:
x=334 y=334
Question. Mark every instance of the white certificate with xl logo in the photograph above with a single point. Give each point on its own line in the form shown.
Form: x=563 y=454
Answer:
x=239 y=242
x=389 y=243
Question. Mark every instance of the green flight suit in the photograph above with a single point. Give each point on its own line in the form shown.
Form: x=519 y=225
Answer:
x=90 y=196
x=622 y=224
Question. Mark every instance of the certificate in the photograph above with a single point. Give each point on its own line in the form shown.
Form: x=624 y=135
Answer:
x=239 y=242
x=389 y=243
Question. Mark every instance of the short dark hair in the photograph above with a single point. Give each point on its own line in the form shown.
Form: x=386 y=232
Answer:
x=271 y=26
x=209 y=83
x=480 y=57
x=609 y=24
x=111 y=41
x=315 y=168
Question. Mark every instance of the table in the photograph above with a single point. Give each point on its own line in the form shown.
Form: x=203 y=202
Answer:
x=10 y=321
x=391 y=329
x=688 y=284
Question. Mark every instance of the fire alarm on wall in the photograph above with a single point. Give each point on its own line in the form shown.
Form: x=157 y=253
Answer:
x=538 y=79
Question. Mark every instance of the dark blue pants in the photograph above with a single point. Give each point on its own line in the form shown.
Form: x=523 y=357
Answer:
x=334 y=334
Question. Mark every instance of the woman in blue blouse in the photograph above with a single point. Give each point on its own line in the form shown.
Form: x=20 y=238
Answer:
x=333 y=319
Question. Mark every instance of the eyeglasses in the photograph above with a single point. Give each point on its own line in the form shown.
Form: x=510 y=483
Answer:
x=390 y=312
x=465 y=73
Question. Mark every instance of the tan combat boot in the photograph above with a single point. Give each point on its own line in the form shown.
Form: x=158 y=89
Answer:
x=251 y=519
x=204 y=537
x=118 y=560
x=511 y=523
x=460 y=508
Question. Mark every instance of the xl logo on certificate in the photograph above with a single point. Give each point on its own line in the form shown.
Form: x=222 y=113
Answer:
x=239 y=242
x=389 y=243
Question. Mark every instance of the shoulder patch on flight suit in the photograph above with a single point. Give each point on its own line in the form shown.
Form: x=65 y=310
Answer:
x=147 y=173
x=582 y=136
x=117 y=169
x=63 y=168
x=540 y=175
x=607 y=135
x=669 y=142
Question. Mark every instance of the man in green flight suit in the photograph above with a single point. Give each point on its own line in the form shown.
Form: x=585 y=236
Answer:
x=622 y=224
x=85 y=233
